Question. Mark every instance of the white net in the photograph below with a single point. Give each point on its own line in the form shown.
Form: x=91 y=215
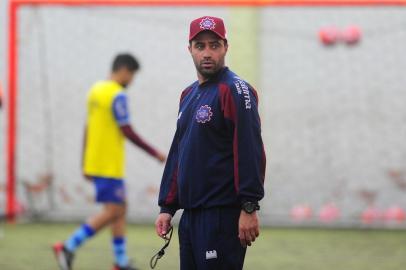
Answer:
x=333 y=118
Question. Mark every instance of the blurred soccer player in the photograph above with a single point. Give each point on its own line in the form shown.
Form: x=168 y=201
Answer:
x=108 y=124
x=216 y=164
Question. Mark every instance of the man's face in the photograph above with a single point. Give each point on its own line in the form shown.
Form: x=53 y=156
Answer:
x=208 y=52
x=126 y=76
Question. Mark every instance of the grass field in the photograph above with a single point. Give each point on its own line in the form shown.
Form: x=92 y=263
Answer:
x=27 y=246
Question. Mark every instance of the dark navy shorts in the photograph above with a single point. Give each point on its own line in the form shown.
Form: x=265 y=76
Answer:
x=109 y=190
x=209 y=240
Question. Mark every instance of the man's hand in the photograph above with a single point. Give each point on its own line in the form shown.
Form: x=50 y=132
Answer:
x=163 y=224
x=248 y=228
x=161 y=157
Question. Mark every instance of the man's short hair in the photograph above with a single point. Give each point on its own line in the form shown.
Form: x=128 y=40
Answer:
x=127 y=61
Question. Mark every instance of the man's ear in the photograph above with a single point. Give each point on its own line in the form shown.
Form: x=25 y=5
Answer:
x=190 y=48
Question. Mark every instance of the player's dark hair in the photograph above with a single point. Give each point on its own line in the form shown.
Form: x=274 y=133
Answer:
x=127 y=61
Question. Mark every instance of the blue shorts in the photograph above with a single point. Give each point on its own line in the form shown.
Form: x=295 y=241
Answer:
x=109 y=190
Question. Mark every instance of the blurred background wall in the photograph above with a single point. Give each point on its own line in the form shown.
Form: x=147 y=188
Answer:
x=333 y=115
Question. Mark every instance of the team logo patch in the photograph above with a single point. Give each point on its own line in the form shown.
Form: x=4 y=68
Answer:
x=204 y=114
x=207 y=23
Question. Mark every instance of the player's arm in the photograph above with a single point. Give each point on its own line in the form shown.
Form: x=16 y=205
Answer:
x=130 y=134
x=87 y=177
x=121 y=114
x=240 y=107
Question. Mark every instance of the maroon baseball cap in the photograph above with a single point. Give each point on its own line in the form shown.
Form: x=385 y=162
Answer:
x=207 y=23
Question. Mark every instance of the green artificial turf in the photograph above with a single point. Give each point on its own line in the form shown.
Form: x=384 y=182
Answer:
x=28 y=246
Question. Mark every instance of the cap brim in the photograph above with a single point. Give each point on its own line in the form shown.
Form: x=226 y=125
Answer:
x=202 y=30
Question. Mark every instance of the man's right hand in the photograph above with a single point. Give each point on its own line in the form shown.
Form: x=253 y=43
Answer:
x=163 y=224
x=161 y=157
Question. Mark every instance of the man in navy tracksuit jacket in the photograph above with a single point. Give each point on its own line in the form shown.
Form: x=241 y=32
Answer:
x=216 y=165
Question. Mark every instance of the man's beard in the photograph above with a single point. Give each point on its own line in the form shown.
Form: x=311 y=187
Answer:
x=208 y=73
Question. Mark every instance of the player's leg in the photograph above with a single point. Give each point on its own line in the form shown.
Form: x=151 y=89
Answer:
x=106 y=216
x=187 y=259
x=111 y=194
x=65 y=251
x=95 y=223
x=79 y=237
x=118 y=229
x=216 y=239
x=117 y=206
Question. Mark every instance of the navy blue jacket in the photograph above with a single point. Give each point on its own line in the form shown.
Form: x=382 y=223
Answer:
x=217 y=156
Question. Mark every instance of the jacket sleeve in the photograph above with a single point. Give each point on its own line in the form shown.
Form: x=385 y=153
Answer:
x=168 y=194
x=239 y=102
